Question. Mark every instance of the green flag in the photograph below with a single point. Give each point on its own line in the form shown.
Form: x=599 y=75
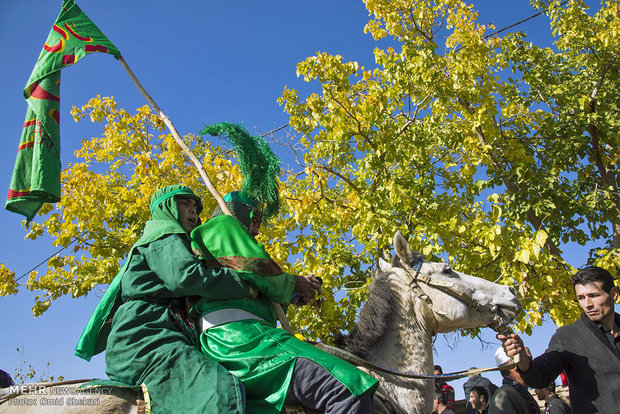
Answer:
x=36 y=175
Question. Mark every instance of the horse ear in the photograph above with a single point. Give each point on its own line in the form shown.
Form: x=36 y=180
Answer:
x=401 y=246
x=383 y=266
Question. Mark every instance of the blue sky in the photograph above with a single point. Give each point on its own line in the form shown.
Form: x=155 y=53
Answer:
x=202 y=62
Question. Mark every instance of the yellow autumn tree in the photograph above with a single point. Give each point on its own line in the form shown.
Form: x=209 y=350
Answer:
x=484 y=149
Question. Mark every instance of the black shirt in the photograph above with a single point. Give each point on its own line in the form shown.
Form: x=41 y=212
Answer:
x=613 y=340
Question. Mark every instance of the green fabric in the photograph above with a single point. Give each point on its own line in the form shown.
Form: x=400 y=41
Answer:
x=241 y=206
x=94 y=336
x=256 y=352
x=164 y=221
x=165 y=193
x=259 y=166
x=224 y=239
x=36 y=175
x=240 y=197
x=146 y=346
x=263 y=358
x=144 y=343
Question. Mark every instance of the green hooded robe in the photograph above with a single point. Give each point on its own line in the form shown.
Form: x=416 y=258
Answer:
x=255 y=351
x=147 y=342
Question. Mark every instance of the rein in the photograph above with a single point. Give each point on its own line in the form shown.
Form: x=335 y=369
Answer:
x=355 y=360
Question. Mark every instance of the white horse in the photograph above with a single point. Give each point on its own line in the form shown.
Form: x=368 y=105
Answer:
x=409 y=301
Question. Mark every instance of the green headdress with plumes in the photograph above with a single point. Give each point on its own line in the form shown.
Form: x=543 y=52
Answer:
x=259 y=166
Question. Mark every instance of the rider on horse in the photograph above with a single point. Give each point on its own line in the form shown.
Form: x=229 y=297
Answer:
x=274 y=366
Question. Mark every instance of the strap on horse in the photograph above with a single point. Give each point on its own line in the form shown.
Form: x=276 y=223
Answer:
x=355 y=360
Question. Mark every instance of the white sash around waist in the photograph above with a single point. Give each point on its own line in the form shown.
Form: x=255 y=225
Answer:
x=222 y=316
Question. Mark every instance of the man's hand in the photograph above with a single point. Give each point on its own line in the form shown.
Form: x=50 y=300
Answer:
x=307 y=287
x=513 y=345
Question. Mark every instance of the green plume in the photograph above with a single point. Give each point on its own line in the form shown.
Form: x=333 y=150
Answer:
x=259 y=166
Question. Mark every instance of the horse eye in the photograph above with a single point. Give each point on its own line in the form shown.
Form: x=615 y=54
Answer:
x=447 y=270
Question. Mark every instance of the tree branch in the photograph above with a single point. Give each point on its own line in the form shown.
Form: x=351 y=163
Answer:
x=511 y=187
x=606 y=170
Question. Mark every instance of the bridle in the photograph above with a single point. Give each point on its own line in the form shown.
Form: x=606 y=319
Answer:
x=413 y=277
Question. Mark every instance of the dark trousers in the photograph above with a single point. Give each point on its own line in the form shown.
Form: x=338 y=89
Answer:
x=313 y=387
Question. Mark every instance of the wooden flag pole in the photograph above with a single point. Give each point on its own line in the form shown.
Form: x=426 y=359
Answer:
x=179 y=140
x=220 y=201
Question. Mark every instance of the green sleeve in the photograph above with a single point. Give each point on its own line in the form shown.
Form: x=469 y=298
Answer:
x=184 y=274
x=276 y=288
x=225 y=240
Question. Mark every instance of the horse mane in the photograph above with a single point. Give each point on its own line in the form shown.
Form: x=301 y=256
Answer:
x=373 y=319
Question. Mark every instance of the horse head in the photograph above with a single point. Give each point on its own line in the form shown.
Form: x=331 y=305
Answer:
x=454 y=299
x=409 y=301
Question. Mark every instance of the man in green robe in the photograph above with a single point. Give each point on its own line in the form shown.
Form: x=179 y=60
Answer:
x=150 y=343
x=274 y=366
